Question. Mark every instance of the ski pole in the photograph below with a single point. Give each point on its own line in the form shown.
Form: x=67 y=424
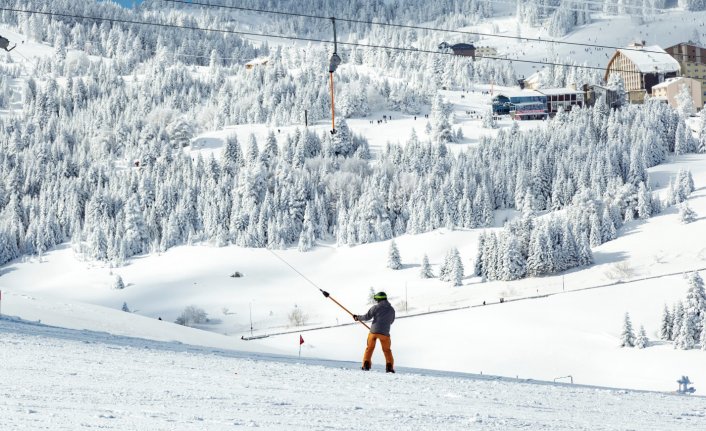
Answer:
x=327 y=295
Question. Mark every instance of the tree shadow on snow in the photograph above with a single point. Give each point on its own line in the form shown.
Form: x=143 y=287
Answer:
x=4 y=271
x=600 y=257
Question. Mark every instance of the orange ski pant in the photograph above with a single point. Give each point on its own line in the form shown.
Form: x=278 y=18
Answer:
x=385 y=342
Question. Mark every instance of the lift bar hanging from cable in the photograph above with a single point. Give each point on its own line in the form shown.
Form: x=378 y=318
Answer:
x=334 y=62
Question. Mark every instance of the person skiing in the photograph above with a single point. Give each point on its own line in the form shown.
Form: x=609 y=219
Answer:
x=383 y=315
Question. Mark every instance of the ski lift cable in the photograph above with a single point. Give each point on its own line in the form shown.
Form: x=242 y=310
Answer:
x=316 y=286
x=307 y=39
x=409 y=26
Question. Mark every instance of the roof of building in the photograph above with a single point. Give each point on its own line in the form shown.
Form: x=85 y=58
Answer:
x=671 y=81
x=689 y=43
x=519 y=93
x=558 y=91
x=648 y=61
x=462 y=46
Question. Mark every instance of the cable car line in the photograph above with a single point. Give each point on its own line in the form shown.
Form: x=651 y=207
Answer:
x=407 y=26
x=304 y=39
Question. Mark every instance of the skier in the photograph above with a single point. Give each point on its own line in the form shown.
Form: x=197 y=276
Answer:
x=383 y=315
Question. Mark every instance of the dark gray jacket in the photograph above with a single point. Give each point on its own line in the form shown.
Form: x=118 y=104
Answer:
x=383 y=315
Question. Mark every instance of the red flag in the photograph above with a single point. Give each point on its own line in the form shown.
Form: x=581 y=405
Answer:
x=301 y=340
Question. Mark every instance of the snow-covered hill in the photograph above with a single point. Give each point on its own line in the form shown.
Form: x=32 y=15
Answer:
x=96 y=139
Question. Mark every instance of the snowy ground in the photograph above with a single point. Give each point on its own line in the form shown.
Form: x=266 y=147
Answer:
x=468 y=109
x=66 y=380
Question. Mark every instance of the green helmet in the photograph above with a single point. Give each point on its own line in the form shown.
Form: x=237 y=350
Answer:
x=380 y=296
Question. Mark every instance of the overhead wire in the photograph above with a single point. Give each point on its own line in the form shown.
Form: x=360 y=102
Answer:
x=293 y=38
x=406 y=26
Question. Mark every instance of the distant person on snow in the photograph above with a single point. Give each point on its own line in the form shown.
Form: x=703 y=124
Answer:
x=383 y=315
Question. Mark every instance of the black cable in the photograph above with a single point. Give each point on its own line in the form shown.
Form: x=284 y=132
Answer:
x=414 y=27
x=305 y=39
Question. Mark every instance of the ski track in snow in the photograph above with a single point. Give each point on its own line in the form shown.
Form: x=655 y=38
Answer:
x=62 y=379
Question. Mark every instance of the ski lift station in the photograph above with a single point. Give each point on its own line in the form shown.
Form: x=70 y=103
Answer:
x=536 y=104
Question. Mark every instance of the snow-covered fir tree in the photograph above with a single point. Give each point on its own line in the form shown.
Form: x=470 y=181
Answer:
x=642 y=341
x=695 y=304
x=489 y=121
x=686 y=214
x=393 y=257
x=665 y=328
x=441 y=131
x=677 y=319
x=118 y=282
x=685 y=103
x=425 y=271
x=452 y=268
x=684 y=339
x=693 y=5
x=125 y=308
x=627 y=337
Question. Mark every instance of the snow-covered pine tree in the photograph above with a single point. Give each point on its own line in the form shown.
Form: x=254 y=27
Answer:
x=641 y=342
x=615 y=83
x=445 y=269
x=665 y=329
x=693 y=5
x=702 y=340
x=393 y=257
x=684 y=340
x=677 y=319
x=683 y=141
x=456 y=275
x=136 y=235
x=695 y=304
x=441 y=130
x=686 y=214
x=685 y=103
x=425 y=271
x=627 y=337
x=306 y=237
x=118 y=282
x=371 y=296
x=644 y=202
x=125 y=307
x=489 y=121
x=514 y=263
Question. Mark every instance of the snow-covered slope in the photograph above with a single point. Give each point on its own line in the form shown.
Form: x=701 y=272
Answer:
x=569 y=333
x=63 y=379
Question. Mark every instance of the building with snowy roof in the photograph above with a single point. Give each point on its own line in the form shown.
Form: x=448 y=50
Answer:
x=669 y=89
x=462 y=49
x=641 y=68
